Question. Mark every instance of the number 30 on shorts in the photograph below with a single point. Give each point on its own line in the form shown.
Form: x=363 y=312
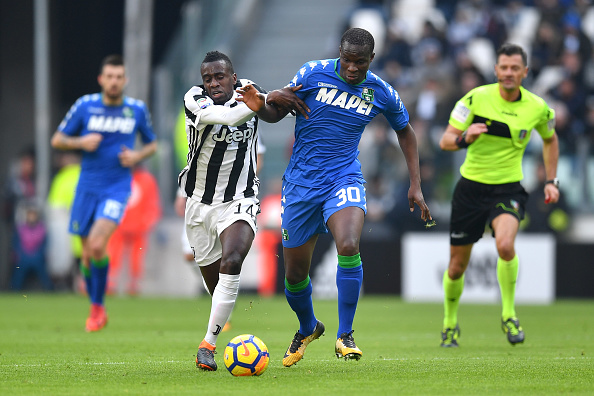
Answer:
x=349 y=194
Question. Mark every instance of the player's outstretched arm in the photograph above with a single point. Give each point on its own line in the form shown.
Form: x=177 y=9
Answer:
x=258 y=102
x=286 y=99
x=88 y=142
x=408 y=144
x=253 y=99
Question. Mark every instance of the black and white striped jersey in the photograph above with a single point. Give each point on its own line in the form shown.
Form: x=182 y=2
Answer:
x=222 y=141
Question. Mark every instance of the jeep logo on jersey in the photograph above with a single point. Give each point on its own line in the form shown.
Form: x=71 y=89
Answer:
x=235 y=135
x=344 y=100
x=100 y=123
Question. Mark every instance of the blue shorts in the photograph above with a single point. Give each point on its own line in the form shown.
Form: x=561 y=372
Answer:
x=305 y=210
x=90 y=206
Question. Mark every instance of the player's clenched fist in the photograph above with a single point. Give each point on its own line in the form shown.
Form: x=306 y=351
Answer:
x=90 y=142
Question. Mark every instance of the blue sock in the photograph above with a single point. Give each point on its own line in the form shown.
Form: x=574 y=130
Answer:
x=98 y=280
x=299 y=298
x=349 y=278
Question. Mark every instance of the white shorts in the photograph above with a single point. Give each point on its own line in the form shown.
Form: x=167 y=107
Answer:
x=186 y=248
x=205 y=223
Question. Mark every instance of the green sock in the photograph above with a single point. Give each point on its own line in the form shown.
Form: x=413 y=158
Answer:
x=100 y=263
x=296 y=288
x=349 y=261
x=507 y=275
x=86 y=272
x=452 y=290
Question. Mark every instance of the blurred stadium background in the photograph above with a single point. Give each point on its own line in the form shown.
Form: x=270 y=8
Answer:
x=431 y=51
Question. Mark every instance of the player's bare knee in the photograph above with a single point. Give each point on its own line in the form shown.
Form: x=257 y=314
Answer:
x=96 y=251
x=231 y=264
x=456 y=268
x=294 y=277
x=348 y=247
x=455 y=272
x=505 y=248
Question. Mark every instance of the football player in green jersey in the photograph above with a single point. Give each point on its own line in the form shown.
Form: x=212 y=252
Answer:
x=493 y=123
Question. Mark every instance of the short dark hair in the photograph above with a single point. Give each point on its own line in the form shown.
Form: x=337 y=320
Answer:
x=358 y=36
x=512 y=49
x=215 y=56
x=112 y=60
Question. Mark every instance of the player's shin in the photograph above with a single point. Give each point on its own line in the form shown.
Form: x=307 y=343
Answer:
x=223 y=301
x=86 y=274
x=507 y=275
x=349 y=278
x=299 y=298
x=99 y=270
x=452 y=290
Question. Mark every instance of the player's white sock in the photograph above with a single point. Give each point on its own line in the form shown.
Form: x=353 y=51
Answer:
x=223 y=300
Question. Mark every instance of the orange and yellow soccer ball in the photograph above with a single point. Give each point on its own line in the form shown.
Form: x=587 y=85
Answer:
x=245 y=355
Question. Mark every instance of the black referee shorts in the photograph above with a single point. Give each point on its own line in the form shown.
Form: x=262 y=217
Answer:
x=475 y=205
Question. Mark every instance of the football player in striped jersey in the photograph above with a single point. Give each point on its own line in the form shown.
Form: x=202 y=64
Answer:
x=221 y=185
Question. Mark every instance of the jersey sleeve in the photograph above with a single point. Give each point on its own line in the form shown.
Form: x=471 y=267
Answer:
x=462 y=115
x=72 y=124
x=200 y=108
x=546 y=128
x=303 y=74
x=195 y=101
x=145 y=125
x=396 y=112
x=299 y=77
x=232 y=116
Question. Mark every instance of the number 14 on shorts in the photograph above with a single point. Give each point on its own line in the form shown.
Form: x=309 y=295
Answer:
x=249 y=209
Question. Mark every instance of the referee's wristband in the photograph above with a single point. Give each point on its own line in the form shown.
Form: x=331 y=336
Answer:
x=554 y=182
x=461 y=141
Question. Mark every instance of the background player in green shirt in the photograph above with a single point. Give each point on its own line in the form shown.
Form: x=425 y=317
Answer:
x=494 y=123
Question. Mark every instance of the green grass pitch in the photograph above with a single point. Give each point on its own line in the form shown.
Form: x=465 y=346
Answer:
x=149 y=347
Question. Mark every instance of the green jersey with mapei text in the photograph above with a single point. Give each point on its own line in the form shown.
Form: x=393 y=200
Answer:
x=496 y=156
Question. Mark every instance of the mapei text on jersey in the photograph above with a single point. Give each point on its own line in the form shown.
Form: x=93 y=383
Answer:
x=101 y=123
x=344 y=101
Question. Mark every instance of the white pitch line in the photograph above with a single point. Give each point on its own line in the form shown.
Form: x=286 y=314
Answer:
x=320 y=360
x=84 y=364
